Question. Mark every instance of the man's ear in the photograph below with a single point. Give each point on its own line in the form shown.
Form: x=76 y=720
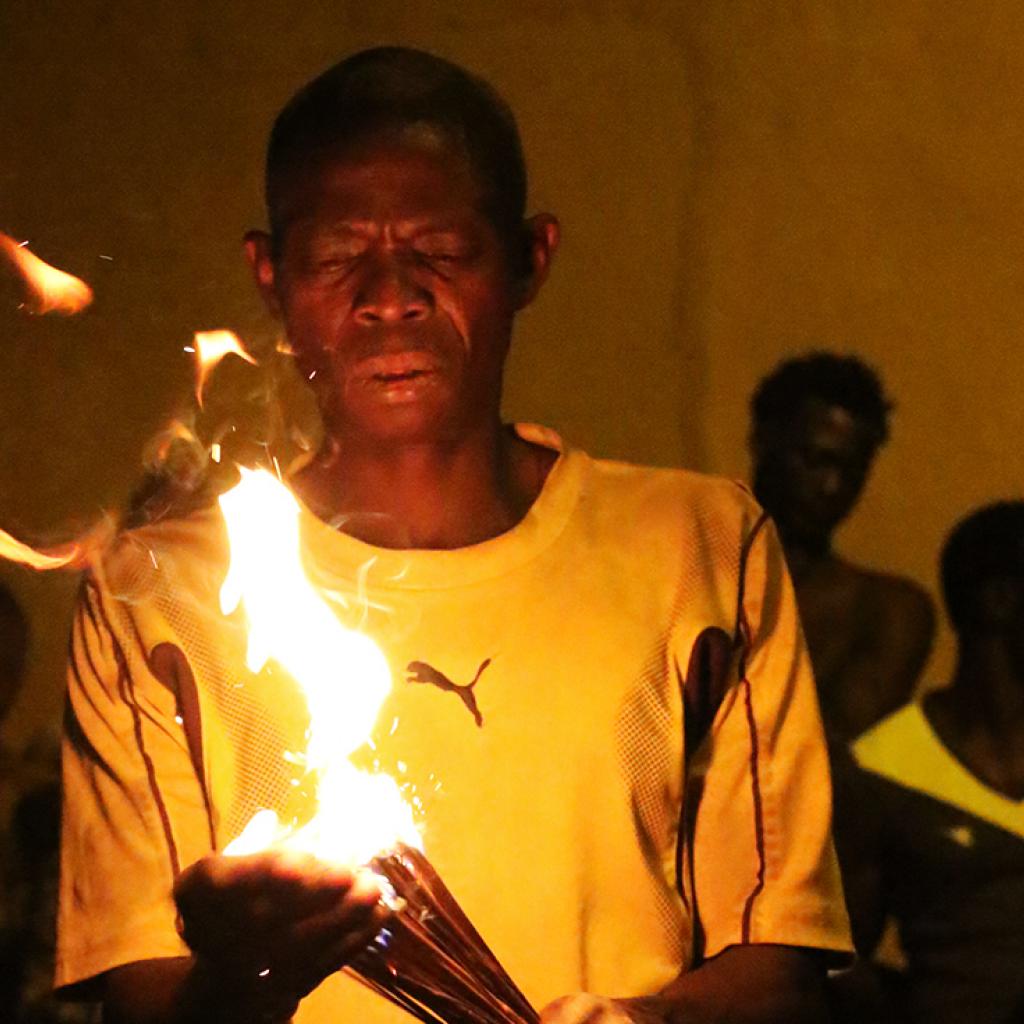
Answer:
x=261 y=263
x=543 y=233
x=762 y=440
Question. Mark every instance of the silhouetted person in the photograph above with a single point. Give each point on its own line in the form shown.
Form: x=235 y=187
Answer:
x=947 y=786
x=29 y=849
x=13 y=645
x=817 y=424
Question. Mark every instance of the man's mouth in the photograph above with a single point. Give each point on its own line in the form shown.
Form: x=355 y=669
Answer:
x=399 y=376
x=398 y=366
x=394 y=377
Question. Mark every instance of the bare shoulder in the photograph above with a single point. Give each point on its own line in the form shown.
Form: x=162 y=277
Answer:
x=897 y=600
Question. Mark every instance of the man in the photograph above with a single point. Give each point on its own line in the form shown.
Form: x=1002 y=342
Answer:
x=817 y=424
x=947 y=788
x=601 y=838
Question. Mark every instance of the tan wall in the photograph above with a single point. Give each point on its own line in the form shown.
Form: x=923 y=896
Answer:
x=735 y=182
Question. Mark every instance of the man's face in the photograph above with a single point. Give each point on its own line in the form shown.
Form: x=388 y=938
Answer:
x=809 y=472
x=396 y=291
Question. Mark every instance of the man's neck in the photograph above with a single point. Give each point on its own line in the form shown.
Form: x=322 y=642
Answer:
x=804 y=555
x=980 y=718
x=427 y=495
x=987 y=692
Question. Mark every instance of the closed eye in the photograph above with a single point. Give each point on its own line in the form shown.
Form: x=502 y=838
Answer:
x=439 y=256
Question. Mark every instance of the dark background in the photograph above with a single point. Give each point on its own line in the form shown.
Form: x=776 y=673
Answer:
x=736 y=182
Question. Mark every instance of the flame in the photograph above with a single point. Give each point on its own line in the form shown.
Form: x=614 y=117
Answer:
x=60 y=557
x=210 y=348
x=341 y=672
x=50 y=290
x=159 y=448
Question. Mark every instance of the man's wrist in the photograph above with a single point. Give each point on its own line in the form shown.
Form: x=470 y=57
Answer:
x=224 y=992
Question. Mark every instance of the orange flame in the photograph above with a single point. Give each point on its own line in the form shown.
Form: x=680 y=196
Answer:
x=160 y=447
x=58 y=557
x=74 y=554
x=210 y=348
x=342 y=674
x=50 y=290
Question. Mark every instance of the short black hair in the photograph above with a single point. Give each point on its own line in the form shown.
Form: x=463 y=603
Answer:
x=387 y=89
x=842 y=380
x=986 y=545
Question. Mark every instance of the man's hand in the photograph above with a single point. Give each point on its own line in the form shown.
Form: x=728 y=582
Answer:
x=264 y=930
x=584 y=1008
x=277 y=922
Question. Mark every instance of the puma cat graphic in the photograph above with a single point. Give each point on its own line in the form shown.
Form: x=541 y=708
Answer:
x=421 y=672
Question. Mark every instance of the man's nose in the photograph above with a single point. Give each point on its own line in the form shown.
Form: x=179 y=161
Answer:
x=389 y=292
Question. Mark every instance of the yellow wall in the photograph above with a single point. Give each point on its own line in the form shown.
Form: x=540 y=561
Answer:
x=736 y=182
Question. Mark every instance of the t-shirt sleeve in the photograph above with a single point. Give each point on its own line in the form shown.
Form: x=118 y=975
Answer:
x=764 y=867
x=134 y=813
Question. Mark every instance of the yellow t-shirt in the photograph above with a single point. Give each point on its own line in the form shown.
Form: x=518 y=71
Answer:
x=641 y=781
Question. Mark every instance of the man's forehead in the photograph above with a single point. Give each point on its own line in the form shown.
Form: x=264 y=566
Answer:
x=409 y=166
x=830 y=423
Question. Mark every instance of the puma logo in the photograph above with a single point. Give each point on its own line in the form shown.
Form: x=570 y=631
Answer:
x=421 y=672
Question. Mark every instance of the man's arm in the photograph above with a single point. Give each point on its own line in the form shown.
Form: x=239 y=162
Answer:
x=175 y=991
x=746 y=985
x=757 y=984
x=886 y=663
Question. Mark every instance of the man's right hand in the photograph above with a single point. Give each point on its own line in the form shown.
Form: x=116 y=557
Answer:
x=276 y=923
x=264 y=930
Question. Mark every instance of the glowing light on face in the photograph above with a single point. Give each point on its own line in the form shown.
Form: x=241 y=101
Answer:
x=342 y=673
x=49 y=290
x=210 y=348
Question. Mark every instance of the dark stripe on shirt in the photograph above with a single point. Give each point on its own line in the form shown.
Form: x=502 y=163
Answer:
x=126 y=686
x=743 y=633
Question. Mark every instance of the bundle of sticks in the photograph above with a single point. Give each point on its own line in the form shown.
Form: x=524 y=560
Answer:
x=430 y=960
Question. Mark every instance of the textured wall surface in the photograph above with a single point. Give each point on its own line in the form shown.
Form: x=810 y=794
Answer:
x=736 y=182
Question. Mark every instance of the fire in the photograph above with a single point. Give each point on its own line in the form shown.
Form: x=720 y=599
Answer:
x=210 y=348
x=342 y=673
x=65 y=555
x=50 y=290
